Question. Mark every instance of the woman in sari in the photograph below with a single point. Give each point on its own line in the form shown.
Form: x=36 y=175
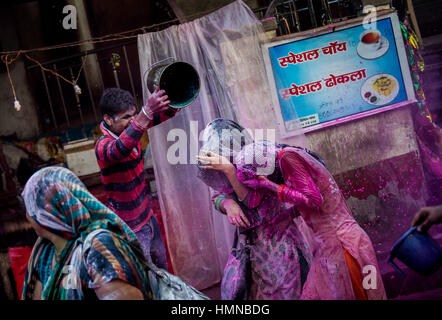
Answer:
x=280 y=256
x=345 y=254
x=84 y=250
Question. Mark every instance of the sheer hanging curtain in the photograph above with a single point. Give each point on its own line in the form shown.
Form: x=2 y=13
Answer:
x=224 y=47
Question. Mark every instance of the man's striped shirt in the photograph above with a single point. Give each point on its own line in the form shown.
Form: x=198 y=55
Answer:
x=121 y=163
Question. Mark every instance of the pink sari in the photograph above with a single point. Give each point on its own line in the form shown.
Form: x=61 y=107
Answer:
x=325 y=211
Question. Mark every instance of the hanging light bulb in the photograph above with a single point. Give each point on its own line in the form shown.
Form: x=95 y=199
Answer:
x=77 y=89
x=17 y=105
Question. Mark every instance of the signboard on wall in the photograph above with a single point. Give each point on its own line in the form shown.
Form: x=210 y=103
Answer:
x=338 y=75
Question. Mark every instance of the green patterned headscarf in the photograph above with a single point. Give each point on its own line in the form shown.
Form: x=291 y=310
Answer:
x=60 y=203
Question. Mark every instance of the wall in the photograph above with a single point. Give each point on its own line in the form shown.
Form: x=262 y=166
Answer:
x=24 y=123
x=376 y=163
x=375 y=160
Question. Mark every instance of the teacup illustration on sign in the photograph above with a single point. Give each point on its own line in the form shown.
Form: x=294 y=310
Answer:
x=372 y=44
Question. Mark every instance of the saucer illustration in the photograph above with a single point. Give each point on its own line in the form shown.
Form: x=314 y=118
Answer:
x=380 y=89
x=374 y=50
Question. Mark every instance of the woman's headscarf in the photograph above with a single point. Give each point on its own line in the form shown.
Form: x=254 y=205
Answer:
x=257 y=159
x=231 y=145
x=260 y=158
x=60 y=203
x=226 y=138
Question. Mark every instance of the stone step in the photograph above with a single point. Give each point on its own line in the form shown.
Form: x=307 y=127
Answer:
x=432 y=60
x=432 y=44
x=413 y=287
x=433 y=71
x=414 y=283
x=435 y=294
x=433 y=92
x=395 y=285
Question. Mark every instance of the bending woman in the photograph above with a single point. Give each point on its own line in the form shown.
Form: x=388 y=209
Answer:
x=280 y=256
x=344 y=250
x=84 y=250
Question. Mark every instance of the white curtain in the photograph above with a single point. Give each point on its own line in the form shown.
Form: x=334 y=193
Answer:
x=224 y=47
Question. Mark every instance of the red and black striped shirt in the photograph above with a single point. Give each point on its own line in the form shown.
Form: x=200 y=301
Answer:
x=121 y=163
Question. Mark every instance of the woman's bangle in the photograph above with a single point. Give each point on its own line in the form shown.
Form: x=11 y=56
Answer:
x=281 y=187
x=149 y=116
x=218 y=202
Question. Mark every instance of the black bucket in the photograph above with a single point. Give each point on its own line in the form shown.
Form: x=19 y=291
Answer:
x=179 y=79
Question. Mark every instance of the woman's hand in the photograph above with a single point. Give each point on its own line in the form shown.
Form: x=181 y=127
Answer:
x=216 y=162
x=235 y=214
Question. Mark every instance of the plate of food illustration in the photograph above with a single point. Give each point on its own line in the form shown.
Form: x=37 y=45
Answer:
x=372 y=45
x=380 y=89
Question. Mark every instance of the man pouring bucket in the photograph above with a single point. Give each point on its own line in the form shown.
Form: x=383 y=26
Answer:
x=119 y=152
